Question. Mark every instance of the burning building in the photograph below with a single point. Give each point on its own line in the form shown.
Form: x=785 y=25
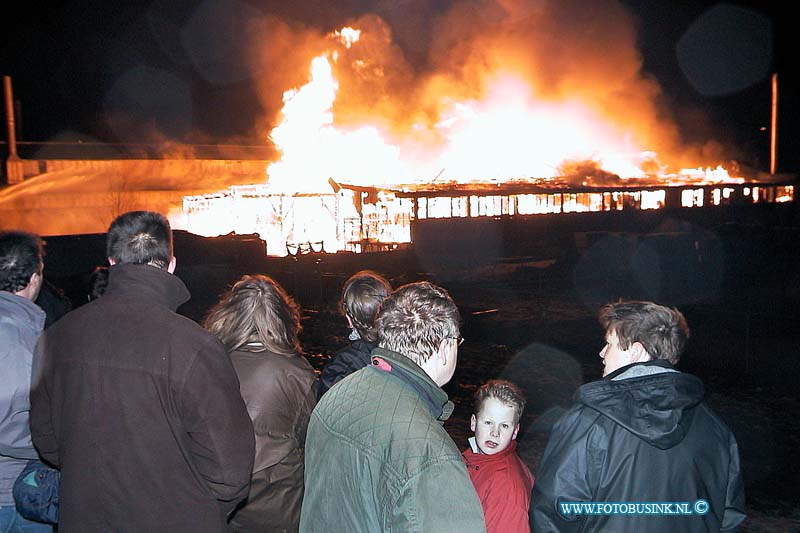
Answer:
x=361 y=168
x=476 y=112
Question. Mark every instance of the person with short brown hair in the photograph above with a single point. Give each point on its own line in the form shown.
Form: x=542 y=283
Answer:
x=642 y=433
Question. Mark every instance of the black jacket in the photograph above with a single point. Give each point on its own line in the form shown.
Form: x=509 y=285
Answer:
x=643 y=434
x=353 y=357
x=140 y=408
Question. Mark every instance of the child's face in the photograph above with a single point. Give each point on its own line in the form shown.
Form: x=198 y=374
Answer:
x=494 y=426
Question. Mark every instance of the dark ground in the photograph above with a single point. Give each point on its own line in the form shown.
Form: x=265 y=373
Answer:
x=534 y=323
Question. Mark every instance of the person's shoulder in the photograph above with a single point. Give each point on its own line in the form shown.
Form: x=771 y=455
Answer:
x=278 y=364
x=711 y=420
x=359 y=350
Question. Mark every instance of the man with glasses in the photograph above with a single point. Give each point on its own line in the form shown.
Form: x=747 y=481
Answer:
x=377 y=456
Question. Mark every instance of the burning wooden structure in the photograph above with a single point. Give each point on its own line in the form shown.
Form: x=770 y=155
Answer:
x=447 y=216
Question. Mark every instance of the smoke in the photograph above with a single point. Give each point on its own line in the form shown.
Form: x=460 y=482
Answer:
x=416 y=59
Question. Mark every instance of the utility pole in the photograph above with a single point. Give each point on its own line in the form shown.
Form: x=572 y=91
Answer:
x=15 y=170
x=773 y=139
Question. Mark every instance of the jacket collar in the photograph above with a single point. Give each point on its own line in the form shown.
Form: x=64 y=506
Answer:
x=478 y=457
x=635 y=370
x=149 y=282
x=651 y=400
x=407 y=370
x=22 y=310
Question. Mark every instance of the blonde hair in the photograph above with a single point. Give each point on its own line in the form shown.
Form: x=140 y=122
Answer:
x=257 y=310
x=503 y=391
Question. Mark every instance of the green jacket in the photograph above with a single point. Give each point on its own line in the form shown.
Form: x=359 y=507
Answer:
x=379 y=459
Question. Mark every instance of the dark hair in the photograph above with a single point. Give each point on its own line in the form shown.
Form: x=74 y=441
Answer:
x=256 y=309
x=21 y=255
x=502 y=390
x=98 y=280
x=415 y=319
x=141 y=238
x=362 y=295
x=661 y=330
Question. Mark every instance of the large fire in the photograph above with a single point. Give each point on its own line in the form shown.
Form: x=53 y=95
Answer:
x=504 y=131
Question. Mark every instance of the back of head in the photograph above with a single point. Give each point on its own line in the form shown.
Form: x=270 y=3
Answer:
x=362 y=296
x=256 y=310
x=661 y=330
x=505 y=392
x=21 y=255
x=140 y=238
x=415 y=319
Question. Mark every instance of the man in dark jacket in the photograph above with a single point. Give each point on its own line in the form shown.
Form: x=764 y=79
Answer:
x=640 y=450
x=377 y=456
x=139 y=406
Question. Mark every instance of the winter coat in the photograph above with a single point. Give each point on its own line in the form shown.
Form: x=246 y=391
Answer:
x=642 y=434
x=21 y=323
x=379 y=459
x=503 y=483
x=280 y=392
x=352 y=357
x=140 y=407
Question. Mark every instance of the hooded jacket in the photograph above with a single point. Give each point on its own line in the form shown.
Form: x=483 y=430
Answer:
x=643 y=434
x=379 y=460
x=140 y=408
x=21 y=323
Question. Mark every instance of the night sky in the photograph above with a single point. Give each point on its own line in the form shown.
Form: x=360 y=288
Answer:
x=75 y=66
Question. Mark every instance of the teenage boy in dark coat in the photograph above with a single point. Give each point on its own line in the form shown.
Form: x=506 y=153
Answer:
x=641 y=439
x=139 y=406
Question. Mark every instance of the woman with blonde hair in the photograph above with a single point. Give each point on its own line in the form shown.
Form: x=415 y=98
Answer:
x=259 y=324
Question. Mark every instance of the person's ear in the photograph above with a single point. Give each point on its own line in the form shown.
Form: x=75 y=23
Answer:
x=442 y=352
x=516 y=430
x=473 y=422
x=638 y=353
x=171 y=266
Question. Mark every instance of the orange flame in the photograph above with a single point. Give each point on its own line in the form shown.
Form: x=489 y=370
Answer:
x=507 y=133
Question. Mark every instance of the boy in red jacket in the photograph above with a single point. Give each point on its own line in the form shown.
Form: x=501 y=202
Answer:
x=502 y=480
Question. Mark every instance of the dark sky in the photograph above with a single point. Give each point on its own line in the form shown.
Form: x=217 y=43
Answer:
x=76 y=65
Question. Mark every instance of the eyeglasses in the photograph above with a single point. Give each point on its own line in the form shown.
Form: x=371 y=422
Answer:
x=459 y=340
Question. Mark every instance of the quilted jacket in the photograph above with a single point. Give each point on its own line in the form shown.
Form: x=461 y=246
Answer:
x=379 y=459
